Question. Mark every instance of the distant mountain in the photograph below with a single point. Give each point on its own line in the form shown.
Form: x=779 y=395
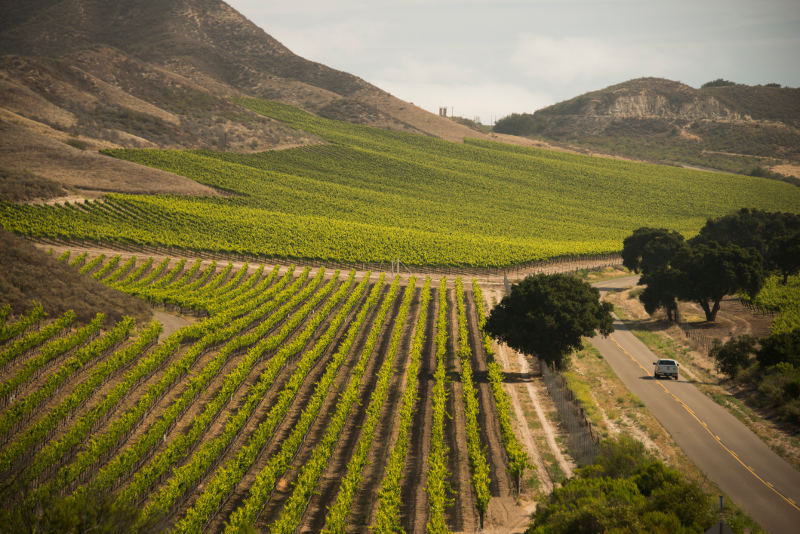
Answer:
x=88 y=74
x=726 y=126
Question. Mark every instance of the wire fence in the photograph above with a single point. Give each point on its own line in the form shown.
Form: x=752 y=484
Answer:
x=582 y=441
x=698 y=338
x=702 y=341
x=755 y=309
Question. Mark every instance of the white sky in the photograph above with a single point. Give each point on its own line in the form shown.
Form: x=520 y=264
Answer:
x=490 y=58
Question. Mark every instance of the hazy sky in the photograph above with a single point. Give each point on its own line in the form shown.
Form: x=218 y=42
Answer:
x=489 y=58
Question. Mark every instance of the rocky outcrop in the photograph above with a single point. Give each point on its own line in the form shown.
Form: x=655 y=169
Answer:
x=732 y=127
x=645 y=98
x=656 y=106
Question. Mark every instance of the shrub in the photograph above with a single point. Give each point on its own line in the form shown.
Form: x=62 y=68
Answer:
x=77 y=143
x=518 y=124
x=655 y=475
x=780 y=389
x=19 y=186
x=733 y=355
x=719 y=82
x=619 y=458
x=625 y=490
x=779 y=348
x=685 y=500
x=589 y=506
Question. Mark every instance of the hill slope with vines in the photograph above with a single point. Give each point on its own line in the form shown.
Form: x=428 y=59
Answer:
x=372 y=195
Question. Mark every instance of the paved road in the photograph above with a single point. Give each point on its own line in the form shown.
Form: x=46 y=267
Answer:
x=757 y=479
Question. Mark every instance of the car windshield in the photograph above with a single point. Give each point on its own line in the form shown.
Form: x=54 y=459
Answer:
x=666 y=362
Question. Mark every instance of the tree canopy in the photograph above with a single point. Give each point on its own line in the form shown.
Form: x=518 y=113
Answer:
x=780 y=348
x=661 y=292
x=729 y=255
x=773 y=234
x=650 y=249
x=546 y=316
x=517 y=124
x=733 y=355
x=708 y=272
x=784 y=253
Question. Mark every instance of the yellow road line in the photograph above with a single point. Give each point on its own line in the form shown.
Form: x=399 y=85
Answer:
x=705 y=426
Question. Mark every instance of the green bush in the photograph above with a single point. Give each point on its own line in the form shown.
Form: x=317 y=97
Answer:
x=654 y=476
x=719 y=82
x=686 y=501
x=733 y=355
x=780 y=348
x=624 y=490
x=779 y=389
x=590 y=505
x=518 y=124
x=90 y=512
x=77 y=143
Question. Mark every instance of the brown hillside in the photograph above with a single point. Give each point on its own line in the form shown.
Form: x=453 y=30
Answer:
x=170 y=67
x=80 y=75
x=735 y=128
x=29 y=275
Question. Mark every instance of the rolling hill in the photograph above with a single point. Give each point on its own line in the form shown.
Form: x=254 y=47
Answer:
x=374 y=195
x=273 y=391
x=189 y=96
x=81 y=75
x=722 y=125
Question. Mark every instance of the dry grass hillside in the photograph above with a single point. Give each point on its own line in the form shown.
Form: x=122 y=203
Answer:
x=731 y=127
x=80 y=75
x=29 y=275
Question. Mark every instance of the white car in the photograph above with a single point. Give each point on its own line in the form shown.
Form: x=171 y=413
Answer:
x=666 y=368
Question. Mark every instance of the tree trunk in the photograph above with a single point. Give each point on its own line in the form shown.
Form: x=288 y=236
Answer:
x=710 y=311
x=672 y=312
x=714 y=311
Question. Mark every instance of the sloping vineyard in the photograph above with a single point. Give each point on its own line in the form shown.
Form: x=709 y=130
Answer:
x=293 y=402
x=375 y=196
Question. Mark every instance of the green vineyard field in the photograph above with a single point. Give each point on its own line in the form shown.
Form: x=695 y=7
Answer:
x=287 y=402
x=371 y=195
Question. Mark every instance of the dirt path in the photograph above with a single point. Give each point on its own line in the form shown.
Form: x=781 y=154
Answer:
x=462 y=516
x=501 y=483
x=330 y=481
x=521 y=424
x=260 y=412
x=414 y=501
x=535 y=393
x=171 y=322
x=494 y=278
x=365 y=501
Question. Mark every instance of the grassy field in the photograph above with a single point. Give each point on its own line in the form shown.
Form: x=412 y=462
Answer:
x=372 y=195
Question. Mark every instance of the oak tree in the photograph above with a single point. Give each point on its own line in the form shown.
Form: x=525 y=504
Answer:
x=546 y=316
